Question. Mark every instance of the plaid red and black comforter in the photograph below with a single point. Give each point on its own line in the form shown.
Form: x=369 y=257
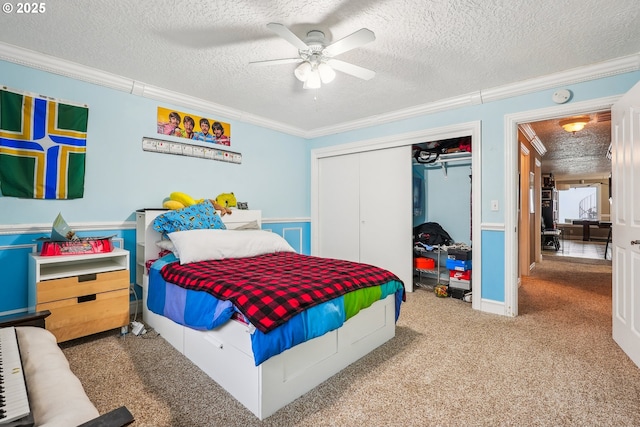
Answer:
x=270 y=289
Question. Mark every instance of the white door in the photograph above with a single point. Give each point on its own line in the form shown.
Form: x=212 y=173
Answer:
x=339 y=207
x=365 y=210
x=625 y=210
x=386 y=221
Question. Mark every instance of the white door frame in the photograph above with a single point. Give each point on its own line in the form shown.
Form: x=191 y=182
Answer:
x=472 y=129
x=512 y=152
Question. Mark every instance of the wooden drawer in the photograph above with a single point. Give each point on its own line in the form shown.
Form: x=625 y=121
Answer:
x=85 y=294
x=81 y=286
x=87 y=314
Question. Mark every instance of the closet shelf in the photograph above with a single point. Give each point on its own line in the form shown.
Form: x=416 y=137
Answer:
x=440 y=274
x=444 y=159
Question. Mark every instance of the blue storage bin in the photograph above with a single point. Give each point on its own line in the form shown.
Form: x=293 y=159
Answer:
x=459 y=265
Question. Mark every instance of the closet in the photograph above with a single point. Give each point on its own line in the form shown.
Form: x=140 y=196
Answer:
x=442 y=195
x=364 y=209
x=362 y=200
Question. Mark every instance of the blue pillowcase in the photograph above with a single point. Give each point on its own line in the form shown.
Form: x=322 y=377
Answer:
x=194 y=217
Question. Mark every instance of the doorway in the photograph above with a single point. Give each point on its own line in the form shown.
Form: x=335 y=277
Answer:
x=511 y=172
x=575 y=172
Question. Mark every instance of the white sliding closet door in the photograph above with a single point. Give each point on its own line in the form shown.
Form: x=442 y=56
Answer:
x=338 y=207
x=386 y=221
x=365 y=208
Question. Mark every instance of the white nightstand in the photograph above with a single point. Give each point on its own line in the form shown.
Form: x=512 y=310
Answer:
x=86 y=294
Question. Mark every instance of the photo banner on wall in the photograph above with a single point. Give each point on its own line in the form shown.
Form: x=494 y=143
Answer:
x=42 y=146
x=190 y=126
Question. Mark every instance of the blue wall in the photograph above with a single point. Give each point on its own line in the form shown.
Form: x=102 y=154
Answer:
x=274 y=175
x=493 y=181
x=14 y=252
x=446 y=198
x=448 y=202
x=120 y=178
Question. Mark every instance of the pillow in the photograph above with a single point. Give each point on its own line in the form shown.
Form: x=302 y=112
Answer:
x=194 y=217
x=202 y=245
x=165 y=244
x=252 y=225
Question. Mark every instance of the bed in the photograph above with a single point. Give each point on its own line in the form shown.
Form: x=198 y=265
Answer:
x=225 y=348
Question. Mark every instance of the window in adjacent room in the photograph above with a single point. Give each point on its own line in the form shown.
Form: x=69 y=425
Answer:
x=578 y=203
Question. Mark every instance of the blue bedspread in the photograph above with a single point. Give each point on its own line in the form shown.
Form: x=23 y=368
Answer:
x=201 y=310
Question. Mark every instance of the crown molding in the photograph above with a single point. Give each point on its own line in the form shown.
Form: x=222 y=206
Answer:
x=599 y=70
x=577 y=75
x=28 y=58
x=533 y=139
x=405 y=113
x=51 y=64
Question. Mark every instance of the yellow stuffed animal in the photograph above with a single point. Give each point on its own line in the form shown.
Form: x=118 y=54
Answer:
x=179 y=200
x=172 y=204
x=183 y=198
x=227 y=200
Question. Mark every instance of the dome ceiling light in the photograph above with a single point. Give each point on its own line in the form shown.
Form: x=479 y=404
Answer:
x=574 y=124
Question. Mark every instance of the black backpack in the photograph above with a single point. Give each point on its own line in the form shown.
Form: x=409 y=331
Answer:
x=431 y=233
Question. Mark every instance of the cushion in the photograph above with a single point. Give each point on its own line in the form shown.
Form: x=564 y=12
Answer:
x=56 y=396
x=202 y=245
x=194 y=217
x=166 y=244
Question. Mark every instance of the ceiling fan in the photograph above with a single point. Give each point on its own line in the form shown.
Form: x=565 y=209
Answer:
x=317 y=62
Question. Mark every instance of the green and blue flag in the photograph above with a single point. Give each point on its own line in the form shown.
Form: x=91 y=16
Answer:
x=42 y=147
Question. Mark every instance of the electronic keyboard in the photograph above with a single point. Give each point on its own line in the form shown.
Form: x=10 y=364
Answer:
x=14 y=401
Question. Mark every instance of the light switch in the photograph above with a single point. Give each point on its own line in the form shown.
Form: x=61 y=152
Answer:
x=494 y=205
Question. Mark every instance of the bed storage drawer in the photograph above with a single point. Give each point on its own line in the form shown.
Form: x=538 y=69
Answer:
x=215 y=356
x=364 y=329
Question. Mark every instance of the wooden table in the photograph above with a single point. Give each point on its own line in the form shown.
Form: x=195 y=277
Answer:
x=586 y=227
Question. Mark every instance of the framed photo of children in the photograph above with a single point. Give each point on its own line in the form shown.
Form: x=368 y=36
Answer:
x=190 y=126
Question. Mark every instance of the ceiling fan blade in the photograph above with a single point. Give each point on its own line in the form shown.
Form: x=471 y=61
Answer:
x=354 y=70
x=276 y=61
x=357 y=39
x=286 y=34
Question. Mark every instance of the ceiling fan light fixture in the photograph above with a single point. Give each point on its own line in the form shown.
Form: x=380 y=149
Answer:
x=302 y=71
x=314 y=53
x=326 y=73
x=313 y=80
x=574 y=124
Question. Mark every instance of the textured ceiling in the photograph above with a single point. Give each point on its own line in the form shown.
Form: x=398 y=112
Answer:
x=581 y=153
x=424 y=51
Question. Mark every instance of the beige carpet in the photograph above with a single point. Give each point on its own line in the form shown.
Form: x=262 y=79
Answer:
x=554 y=365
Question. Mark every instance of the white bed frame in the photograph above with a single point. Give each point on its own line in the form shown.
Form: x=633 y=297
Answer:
x=225 y=353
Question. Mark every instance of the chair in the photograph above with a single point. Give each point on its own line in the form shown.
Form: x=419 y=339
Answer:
x=604 y=224
x=606 y=247
x=550 y=237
